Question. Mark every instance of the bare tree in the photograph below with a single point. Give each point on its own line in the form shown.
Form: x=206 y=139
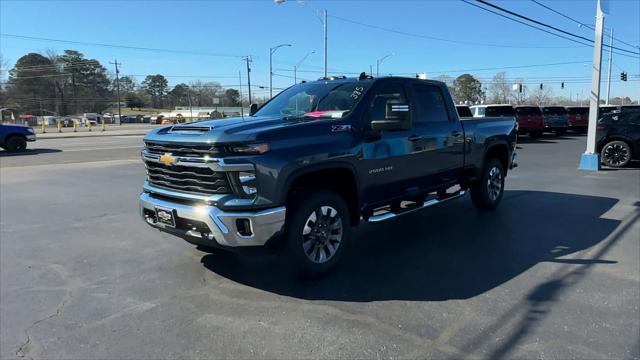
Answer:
x=541 y=96
x=519 y=91
x=500 y=89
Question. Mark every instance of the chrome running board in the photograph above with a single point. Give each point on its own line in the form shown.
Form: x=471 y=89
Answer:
x=390 y=215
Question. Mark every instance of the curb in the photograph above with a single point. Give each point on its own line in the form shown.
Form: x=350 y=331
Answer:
x=56 y=136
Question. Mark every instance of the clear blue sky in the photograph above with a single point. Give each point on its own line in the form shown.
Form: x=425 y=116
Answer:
x=251 y=27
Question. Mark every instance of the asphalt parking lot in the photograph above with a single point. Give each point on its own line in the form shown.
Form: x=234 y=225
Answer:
x=553 y=273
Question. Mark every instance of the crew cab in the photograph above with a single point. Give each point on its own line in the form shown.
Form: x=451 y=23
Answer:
x=14 y=137
x=529 y=120
x=578 y=118
x=555 y=119
x=317 y=159
x=618 y=135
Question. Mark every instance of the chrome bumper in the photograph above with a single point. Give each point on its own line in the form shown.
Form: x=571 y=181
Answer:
x=222 y=226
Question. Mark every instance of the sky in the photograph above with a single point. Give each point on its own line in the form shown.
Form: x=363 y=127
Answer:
x=207 y=39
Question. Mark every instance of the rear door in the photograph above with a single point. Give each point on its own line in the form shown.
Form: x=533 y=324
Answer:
x=438 y=138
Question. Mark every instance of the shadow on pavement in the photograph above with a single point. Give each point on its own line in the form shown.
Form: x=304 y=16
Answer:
x=29 y=152
x=450 y=252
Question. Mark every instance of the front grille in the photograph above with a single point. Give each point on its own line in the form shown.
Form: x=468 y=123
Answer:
x=182 y=150
x=198 y=180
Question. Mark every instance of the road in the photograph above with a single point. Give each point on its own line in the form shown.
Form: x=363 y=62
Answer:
x=553 y=273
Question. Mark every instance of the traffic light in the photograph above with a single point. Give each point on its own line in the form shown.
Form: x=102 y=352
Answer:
x=623 y=76
x=540 y=86
x=562 y=85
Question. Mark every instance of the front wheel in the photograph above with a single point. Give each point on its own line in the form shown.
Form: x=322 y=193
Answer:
x=16 y=143
x=318 y=230
x=616 y=154
x=487 y=192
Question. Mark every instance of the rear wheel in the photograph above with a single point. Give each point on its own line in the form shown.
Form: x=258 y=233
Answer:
x=16 y=143
x=487 y=192
x=616 y=154
x=318 y=230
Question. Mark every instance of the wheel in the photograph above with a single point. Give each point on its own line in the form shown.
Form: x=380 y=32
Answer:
x=16 y=143
x=616 y=154
x=487 y=192
x=535 y=135
x=560 y=132
x=317 y=231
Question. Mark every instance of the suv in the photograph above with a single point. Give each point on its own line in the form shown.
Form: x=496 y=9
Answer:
x=316 y=160
x=529 y=120
x=14 y=137
x=555 y=119
x=618 y=136
x=578 y=117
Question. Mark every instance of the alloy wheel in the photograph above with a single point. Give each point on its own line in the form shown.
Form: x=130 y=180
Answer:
x=494 y=183
x=616 y=154
x=322 y=234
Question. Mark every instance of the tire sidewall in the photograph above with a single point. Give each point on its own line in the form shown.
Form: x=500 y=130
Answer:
x=480 y=193
x=611 y=143
x=15 y=143
x=302 y=206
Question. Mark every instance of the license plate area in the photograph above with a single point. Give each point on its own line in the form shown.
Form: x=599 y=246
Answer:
x=166 y=216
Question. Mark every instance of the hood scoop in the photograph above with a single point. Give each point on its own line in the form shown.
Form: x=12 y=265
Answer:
x=189 y=129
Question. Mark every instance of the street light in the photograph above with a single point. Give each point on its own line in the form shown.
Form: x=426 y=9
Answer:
x=379 y=61
x=296 y=66
x=323 y=21
x=271 y=51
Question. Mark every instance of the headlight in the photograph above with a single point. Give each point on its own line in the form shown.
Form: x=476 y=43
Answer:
x=250 y=149
x=30 y=131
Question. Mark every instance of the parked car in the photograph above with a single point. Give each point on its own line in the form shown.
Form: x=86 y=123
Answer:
x=555 y=119
x=464 y=111
x=618 y=136
x=529 y=120
x=318 y=158
x=578 y=118
x=15 y=137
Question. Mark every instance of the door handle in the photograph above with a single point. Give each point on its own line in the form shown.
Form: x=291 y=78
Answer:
x=456 y=133
x=415 y=138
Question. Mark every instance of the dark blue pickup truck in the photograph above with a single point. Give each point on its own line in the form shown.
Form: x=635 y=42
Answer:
x=316 y=160
x=14 y=137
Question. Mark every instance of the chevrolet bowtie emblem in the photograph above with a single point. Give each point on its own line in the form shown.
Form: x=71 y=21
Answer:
x=167 y=159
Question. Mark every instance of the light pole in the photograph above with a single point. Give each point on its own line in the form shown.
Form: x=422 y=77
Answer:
x=379 y=61
x=296 y=66
x=323 y=21
x=610 y=60
x=271 y=51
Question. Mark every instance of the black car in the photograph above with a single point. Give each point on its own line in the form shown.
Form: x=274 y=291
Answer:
x=618 y=135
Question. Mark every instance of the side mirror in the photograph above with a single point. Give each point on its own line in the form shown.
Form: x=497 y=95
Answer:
x=252 y=109
x=396 y=117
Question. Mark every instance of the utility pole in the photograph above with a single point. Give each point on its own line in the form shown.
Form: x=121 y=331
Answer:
x=590 y=159
x=610 y=59
x=190 y=106
x=118 y=89
x=248 y=60
x=271 y=51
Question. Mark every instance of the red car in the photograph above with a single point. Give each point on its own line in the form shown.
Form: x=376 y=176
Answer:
x=529 y=120
x=578 y=118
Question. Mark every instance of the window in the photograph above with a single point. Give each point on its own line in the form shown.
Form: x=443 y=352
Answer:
x=430 y=104
x=463 y=111
x=393 y=91
x=493 y=111
x=528 y=110
x=554 y=110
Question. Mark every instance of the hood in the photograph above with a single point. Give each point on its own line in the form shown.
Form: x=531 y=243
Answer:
x=17 y=126
x=227 y=130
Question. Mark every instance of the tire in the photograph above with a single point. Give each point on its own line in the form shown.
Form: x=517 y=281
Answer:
x=616 y=154
x=487 y=192
x=15 y=144
x=317 y=246
x=560 y=132
x=535 y=135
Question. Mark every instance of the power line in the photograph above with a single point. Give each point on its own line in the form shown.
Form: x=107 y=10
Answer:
x=442 y=39
x=23 y=37
x=549 y=26
x=579 y=22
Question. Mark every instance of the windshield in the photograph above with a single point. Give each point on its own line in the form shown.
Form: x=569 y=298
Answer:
x=316 y=100
x=499 y=111
x=556 y=110
x=528 y=110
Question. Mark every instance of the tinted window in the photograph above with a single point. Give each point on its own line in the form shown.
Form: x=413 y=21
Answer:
x=578 y=110
x=393 y=91
x=528 y=110
x=464 y=111
x=556 y=110
x=499 y=111
x=430 y=104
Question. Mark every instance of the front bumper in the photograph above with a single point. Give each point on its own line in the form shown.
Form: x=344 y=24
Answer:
x=208 y=225
x=31 y=137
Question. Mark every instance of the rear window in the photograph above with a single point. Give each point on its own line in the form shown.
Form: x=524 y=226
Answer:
x=464 y=111
x=499 y=111
x=578 y=111
x=528 y=110
x=556 y=110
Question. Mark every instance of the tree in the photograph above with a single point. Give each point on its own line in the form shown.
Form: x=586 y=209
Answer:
x=232 y=97
x=156 y=86
x=541 y=96
x=88 y=81
x=179 y=95
x=134 y=100
x=127 y=85
x=519 y=95
x=500 y=90
x=30 y=86
x=466 y=88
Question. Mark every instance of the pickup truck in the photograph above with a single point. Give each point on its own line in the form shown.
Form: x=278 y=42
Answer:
x=14 y=137
x=317 y=159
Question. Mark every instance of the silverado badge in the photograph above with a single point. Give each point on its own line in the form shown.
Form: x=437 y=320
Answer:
x=167 y=159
